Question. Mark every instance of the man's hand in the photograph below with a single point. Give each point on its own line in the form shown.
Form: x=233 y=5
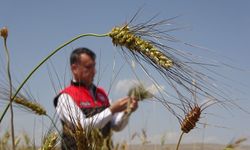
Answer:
x=122 y=104
x=133 y=104
x=119 y=105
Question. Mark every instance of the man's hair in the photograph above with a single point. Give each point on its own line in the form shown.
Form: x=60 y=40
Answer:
x=74 y=57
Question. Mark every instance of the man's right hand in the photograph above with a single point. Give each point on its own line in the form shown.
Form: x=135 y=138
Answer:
x=119 y=105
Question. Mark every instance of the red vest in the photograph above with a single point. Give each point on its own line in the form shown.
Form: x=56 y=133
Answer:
x=84 y=99
x=89 y=102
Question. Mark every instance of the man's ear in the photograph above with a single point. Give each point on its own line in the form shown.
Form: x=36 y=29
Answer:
x=73 y=68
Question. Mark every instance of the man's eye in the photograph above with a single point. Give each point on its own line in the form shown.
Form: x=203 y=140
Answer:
x=90 y=66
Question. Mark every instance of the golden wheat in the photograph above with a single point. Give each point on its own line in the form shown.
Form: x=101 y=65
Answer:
x=35 y=107
x=122 y=36
x=50 y=141
x=4 y=32
x=139 y=92
x=191 y=118
x=90 y=138
x=4 y=140
x=235 y=144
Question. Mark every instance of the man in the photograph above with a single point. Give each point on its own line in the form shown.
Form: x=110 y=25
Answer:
x=82 y=103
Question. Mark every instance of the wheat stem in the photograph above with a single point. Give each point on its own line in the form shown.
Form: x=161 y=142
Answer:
x=42 y=62
x=54 y=125
x=10 y=88
x=179 y=141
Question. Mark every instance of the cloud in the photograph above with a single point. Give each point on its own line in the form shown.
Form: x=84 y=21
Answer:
x=122 y=86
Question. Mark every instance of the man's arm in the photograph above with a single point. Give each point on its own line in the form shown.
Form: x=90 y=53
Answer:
x=69 y=111
x=120 y=120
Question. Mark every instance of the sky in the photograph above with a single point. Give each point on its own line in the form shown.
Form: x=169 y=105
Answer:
x=218 y=29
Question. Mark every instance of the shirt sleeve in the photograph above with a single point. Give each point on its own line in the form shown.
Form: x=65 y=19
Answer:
x=69 y=111
x=119 y=121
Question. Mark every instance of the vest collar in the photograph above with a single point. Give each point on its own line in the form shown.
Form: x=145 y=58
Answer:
x=74 y=83
x=82 y=84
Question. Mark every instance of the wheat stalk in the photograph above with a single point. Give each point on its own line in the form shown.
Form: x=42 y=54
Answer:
x=235 y=144
x=50 y=141
x=4 y=32
x=191 y=118
x=89 y=138
x=4 y=140
x=123 y=36
x=35 y=107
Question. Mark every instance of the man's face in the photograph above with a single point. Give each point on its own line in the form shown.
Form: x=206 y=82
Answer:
x=85 y=70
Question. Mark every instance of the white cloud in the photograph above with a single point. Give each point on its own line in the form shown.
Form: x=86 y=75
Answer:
x=122 y=86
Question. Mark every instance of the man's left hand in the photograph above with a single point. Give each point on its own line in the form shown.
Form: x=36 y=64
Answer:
x=133 y=104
